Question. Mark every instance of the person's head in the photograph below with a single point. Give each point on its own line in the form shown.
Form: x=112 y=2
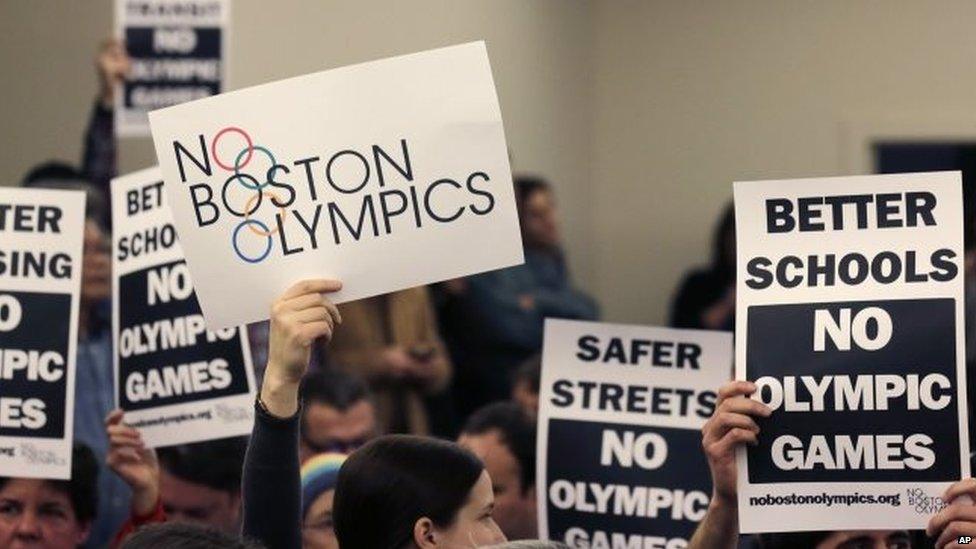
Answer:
x=525 y=386
x=723 y=244
x=50 y=513
x=861 y=539
x=504 y=438
x=96 y=279
x=405 y=491
x=201 y=482
x=181 y=535
x=537 y=212
x=337 y=414
x=319 y=474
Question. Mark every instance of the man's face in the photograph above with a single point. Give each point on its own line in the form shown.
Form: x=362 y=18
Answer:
x=326 y=429
x=868 y=539
x=185 y=501
x=515 y=510
x=96 y=269
x=539 y=220
x=34 y=514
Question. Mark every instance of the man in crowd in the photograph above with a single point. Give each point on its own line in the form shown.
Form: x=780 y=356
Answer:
x=508 y=307
x=94 y=383
x=50 y=514
x=337 y=415
x=733 y=425
x=197 y=483
x=525 y=386
x=504 y=438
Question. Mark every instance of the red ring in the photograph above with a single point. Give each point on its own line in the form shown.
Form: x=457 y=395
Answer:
x=213 y=148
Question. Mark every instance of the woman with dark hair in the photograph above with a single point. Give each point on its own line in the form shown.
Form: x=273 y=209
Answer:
x=51 y=514
x=405 y=491
x=706 y=297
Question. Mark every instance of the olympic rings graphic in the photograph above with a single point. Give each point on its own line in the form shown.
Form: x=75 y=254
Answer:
x=250 y=152
x=281 y=209
x=248 y=181
x=249 y=149
x=267 y=246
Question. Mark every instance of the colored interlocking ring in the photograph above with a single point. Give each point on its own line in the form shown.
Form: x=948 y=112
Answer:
x=265 y=232
x=267 y=247
x=249 y=149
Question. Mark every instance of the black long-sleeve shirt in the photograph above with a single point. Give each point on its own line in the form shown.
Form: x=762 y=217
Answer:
x=271 y=485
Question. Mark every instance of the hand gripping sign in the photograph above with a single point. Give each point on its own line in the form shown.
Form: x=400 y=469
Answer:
x=177 y=380
x=850 y=322
x=40 y=279
x=385 y=175
x=621 y=410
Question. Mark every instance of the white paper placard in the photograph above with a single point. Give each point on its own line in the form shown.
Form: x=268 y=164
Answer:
x=850 y=319
x=384 y=175
x=41 y=234
x=178 y=52
x=177 y=381
x=619 y=448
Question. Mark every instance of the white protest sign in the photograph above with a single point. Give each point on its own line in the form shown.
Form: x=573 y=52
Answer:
x=850 y=321
x=40 y=285
x=177 y=381
x=385 y=175
x=178 y=53
x=621 y=409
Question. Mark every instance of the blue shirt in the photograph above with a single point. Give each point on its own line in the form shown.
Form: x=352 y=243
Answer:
x=94 y=399
x=498 y=296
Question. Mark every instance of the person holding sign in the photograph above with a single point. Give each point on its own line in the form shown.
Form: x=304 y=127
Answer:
x=50 y=514
x=734 y=425
x=271 y=485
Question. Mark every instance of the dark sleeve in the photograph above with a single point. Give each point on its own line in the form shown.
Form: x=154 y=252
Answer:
x=696 y=293
x=495 y=295
x=98 y=160
x=271 y=485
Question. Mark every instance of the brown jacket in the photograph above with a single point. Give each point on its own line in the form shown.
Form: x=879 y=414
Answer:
x=372 y=325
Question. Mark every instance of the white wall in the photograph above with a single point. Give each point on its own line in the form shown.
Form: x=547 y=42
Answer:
x=690 y=96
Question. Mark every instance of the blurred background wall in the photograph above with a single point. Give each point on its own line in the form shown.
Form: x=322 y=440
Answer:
x=641 y=112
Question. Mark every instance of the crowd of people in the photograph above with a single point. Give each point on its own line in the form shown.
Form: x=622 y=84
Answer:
x=401 y=420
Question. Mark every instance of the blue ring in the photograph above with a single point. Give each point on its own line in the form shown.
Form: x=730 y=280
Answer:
x=237 y=166
x=233 y=240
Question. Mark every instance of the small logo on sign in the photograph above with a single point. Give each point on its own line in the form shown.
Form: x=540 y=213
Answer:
x=924 y=504
x=7 y=451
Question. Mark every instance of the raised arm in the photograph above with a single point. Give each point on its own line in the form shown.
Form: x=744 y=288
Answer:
x=271 y=485
x=730 y=427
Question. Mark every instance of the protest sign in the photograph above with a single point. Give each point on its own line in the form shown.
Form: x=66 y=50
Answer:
x=177 y=381
x=178 y=53
x=40 y=285
x=619 y=448
x=385 y=175
x=850 y=321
